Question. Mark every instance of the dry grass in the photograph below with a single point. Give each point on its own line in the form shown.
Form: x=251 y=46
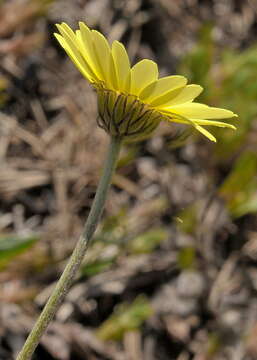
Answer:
x=51 y=154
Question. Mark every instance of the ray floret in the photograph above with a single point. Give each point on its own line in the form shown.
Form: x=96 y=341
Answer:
x=132 y=100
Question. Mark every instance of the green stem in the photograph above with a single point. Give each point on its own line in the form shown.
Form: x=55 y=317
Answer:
x=77 y=256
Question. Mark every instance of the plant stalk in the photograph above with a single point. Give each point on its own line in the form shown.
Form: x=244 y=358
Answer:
x=77 y=256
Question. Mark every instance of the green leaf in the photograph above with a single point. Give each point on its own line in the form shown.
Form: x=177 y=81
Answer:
x=187 y=258
x=148 y=241
x=240 y=187
x=130 y=155
x=14 y=245
x=126 y=317
x=188 y=219
x=96 y=267
x=229 y=79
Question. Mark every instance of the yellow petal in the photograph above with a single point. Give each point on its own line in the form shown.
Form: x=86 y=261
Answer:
x=122 y=65
x=181 y=120
x=84 y=36
x=187 y=94
x=87 y=57
x=205 y=133
x=142 y=74
x=172 y=117
x=161 y=101
x=75 y=47
x=113 y=73
x=67 y=30
x=162 y=87
x=105 y=59
x=103 y=56
x=200 y=111
x=213 y=123
x=75 y=57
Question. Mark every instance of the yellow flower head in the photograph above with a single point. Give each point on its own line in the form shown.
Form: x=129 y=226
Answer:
x=133 y=100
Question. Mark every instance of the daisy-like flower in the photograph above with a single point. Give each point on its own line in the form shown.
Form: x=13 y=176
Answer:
x=133 y=100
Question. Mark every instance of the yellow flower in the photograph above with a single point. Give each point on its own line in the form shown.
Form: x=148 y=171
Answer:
x=133 y=100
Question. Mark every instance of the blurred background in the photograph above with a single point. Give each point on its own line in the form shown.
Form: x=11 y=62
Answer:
x=171 y=273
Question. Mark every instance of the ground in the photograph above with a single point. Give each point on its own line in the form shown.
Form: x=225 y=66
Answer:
x=171 y=273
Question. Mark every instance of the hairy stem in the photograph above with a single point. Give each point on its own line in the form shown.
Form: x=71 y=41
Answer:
x=77 y=256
